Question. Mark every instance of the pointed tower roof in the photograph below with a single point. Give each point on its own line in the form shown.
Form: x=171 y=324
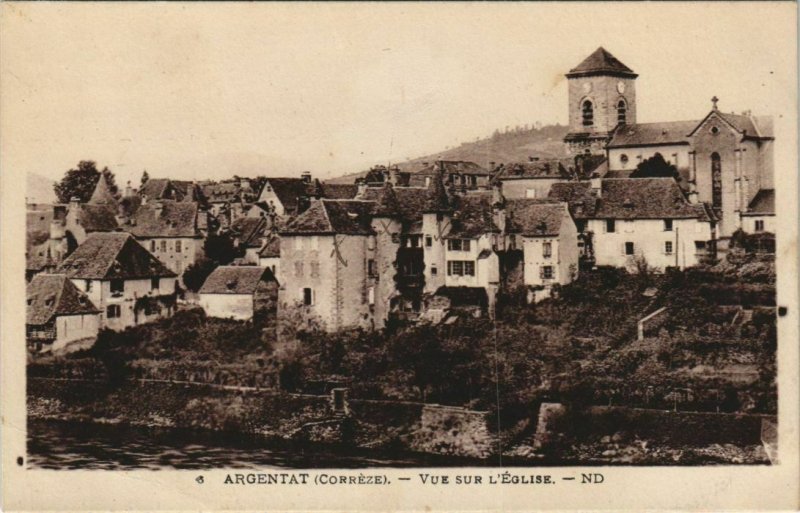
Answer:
x=386 y=205
x=601 y=62
x=102 y=193
x=437 y=200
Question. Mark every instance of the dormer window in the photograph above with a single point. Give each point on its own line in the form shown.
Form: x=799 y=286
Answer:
x=587 y=111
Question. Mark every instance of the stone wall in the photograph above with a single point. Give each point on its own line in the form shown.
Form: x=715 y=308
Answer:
x=453 y=430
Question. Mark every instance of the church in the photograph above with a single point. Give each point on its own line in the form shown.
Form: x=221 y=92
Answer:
x=725 y=160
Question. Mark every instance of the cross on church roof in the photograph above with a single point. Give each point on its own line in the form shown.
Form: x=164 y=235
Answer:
x=714 y=100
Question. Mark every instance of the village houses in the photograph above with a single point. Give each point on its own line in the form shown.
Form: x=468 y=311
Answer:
x=238 y=292
x=58 y=313
x=126 y=282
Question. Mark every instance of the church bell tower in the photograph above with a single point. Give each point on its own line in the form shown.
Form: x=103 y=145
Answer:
x=602 y=95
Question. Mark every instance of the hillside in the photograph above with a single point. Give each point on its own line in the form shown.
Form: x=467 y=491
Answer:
x=512 y=146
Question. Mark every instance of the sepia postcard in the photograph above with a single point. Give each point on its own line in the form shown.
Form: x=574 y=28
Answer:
x=399 y=256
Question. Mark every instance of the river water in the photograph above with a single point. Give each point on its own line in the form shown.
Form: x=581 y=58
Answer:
x=54 y=444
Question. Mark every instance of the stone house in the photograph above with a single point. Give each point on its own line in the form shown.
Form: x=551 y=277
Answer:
x=289 y=196
x=126 y=282
x=760 y=214
x=630 y=219
x=238 y=292
x=546 y=233
x=460 y=174
x=325 y=256
x=171 y=230
x=249 y=235
x=57 y=313
x=532 y=179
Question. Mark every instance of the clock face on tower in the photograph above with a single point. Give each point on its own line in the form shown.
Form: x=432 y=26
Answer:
x=587 y=87
x=621 y=87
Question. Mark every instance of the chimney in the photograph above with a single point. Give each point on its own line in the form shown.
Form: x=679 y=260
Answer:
x=144 y=199
x=491 y=165
x=362 y=187
x=75 y=203
x=158 y=208
x=693 y=197
x=597 y=185
x=393 y=171
x=306 y=176
x=128 y=190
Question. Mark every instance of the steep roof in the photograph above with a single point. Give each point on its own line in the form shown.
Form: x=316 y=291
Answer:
x=645 y=198
x=102 y=193
x=472 y=216
x=463 y=167
x=551 y=168
x=324 y=217
x=437 y=199
x=52 y=295
x=233 y=279
x=272 y=248
x=97 y=218
x=410 y=201
x=763 y=203
x=386 y=204
x=226 y=191
x=105 y=256
x=339 y=190
x=579 y=196
x=161 y=188
x=601 y=62
x=249 y=230
x=38 y=257
x=164 y=218
x=652 y=134
x=535 y=217
x=290 y=190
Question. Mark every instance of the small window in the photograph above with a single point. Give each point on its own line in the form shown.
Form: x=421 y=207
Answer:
x=454 y=244
x=466 y=245
x=371 y=268
x=434 y=270
x=415 y=241
x=547 y=272
x=629 y=248
x=759 y=225
x=547 y=249
x=611 y=226
x=668 y=247
x=163 y=246
x=88 y=285
x=455 y=268
x=117 y=286
x=315 y=269
x=152 y=246
x=469 y=268
x=308 y=297
x=428 y=241
x=396 y=238
x=154 y=283
x=667 y=225
x=371 y=296
x=178 y=247
x=298 y=269
x=113 y=311
x=530 y=193
x=580 y=225
x=700 y=245
x=623 y=159
x=715 y=130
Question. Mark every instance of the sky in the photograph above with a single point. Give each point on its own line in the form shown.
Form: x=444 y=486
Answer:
x=209 y=90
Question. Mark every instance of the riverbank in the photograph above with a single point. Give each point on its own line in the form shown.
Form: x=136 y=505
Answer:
x=426 y=435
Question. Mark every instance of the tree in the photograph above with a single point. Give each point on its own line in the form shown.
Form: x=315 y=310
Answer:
x=656 y=167
x=195 y=275
x=145 y=178
x=220 y=249
x=81 y=182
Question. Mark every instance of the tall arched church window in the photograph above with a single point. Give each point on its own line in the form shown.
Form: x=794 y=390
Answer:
x=716 y=180
x=622 y=110
x=588 y=113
